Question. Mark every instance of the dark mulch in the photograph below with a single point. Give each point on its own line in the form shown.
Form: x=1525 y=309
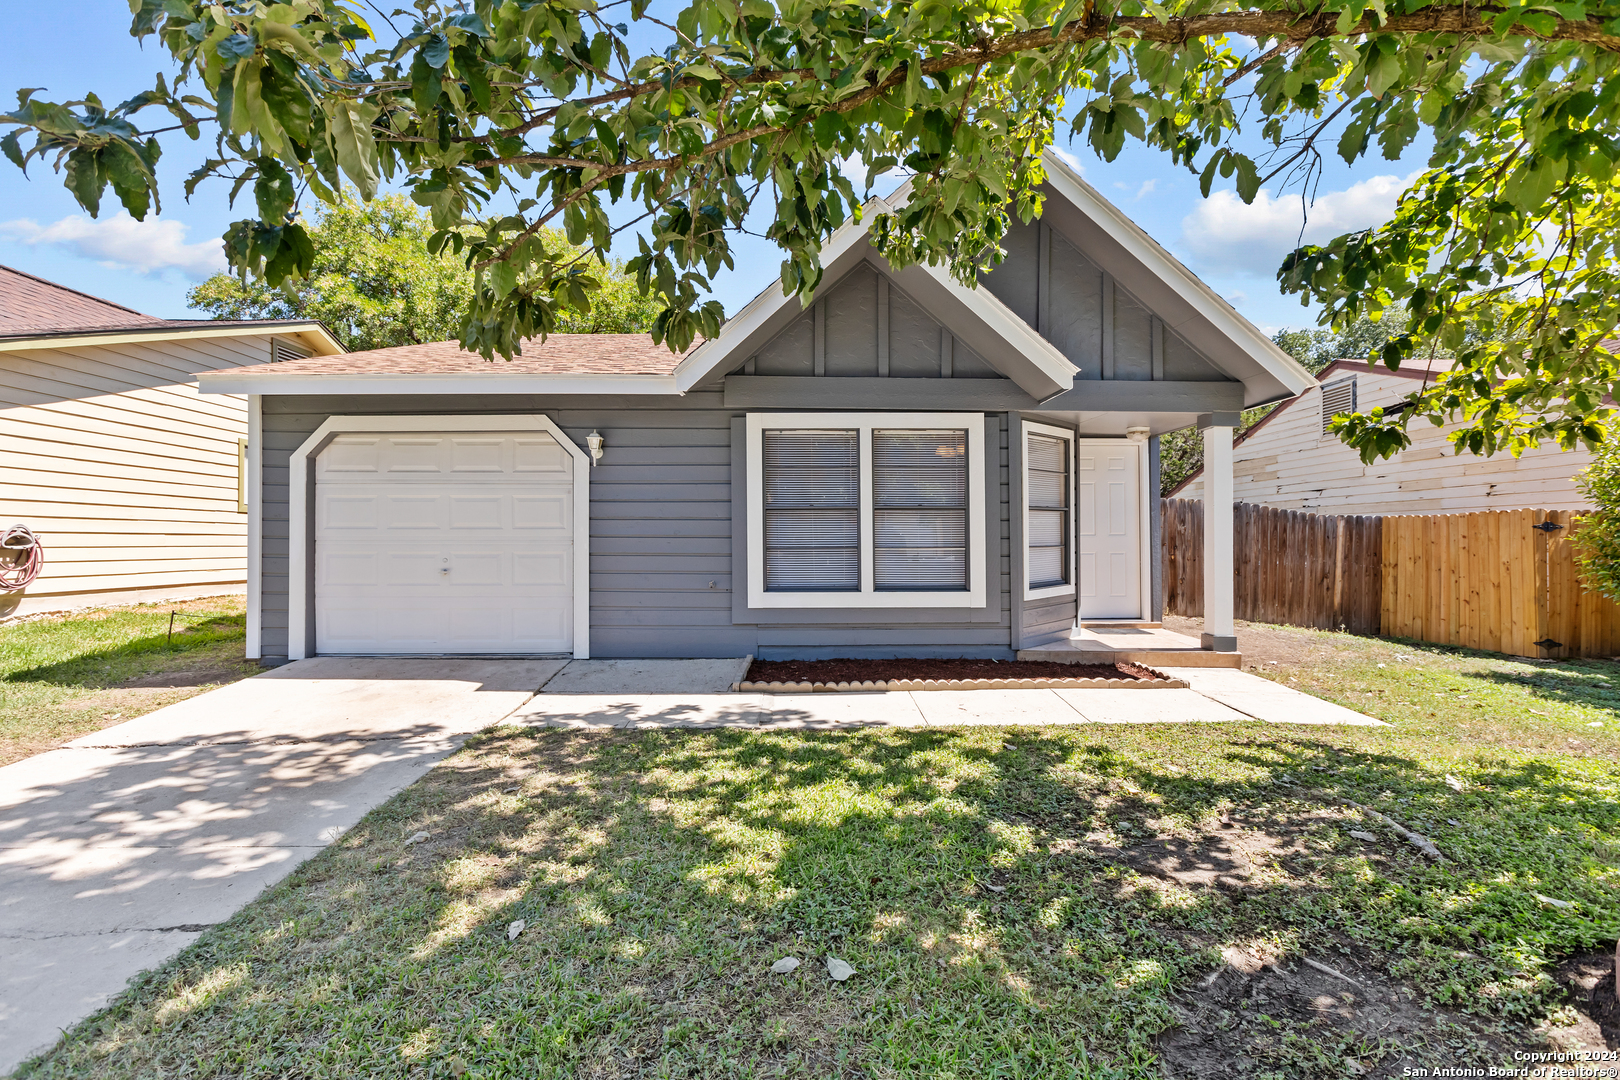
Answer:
x=850 y=670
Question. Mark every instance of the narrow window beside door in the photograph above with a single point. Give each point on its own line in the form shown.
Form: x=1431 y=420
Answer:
x=1048 y=538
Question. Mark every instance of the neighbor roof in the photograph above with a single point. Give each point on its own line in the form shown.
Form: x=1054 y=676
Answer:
x=31 y=305
x=409 y=368
x=33 y=309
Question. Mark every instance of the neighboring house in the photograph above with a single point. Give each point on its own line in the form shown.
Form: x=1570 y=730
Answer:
x=908 y=467
x=107 y=450
x=1291 y=460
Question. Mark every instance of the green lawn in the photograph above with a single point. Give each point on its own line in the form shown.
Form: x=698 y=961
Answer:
x=1093 y=901
x=64 y=676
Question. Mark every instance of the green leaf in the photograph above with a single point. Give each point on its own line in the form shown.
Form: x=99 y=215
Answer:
x=349 y=127
x=273 y=191
x=84 y=178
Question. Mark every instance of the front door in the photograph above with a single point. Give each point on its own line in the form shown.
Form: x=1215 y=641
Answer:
x=1111 y=528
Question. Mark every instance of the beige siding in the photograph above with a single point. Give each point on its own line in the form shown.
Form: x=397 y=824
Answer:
x=128 y=473
x=1290 y=464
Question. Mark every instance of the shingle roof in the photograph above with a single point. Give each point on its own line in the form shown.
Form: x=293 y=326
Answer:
x=559 y=354
x=33 y=305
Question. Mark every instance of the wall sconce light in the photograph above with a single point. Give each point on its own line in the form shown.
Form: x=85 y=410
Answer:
x=594 y=441
x=1138 y=434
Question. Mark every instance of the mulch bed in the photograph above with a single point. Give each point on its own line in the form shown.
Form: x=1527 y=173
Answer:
x=906 y=673
x=847 y=670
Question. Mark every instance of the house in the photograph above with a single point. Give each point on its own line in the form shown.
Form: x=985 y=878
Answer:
x=906 y=467
x=131 y=477
x=1291 y=460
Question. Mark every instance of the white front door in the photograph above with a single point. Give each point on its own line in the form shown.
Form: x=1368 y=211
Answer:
x=444 y=542
x=1110 y=504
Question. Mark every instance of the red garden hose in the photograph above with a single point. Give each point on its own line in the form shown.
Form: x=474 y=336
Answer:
x=21 y=558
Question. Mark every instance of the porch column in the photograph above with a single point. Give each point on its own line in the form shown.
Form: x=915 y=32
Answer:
x=1219 y=633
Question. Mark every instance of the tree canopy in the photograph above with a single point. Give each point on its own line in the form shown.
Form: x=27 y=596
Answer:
x=506 y=117
x=374 y=283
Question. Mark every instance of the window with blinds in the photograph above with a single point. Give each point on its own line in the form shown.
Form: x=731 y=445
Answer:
x=919 y=511
x=1337 y=397
x=812 y=490
x=1047 y=462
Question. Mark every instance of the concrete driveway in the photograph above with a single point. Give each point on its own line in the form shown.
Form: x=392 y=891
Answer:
x=119 y=849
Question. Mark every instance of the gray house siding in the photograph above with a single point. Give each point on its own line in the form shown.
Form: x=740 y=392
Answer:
x=663 y=556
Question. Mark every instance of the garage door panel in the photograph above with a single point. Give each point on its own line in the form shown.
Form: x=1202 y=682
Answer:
x=413 y=559
x=356 y=568
x=540 y=456
x=543 y=512
x=478 y=455
x=541 y=568
x=347 y=512
x=486 y=569
x=413 y=512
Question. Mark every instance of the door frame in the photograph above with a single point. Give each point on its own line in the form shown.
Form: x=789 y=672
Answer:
x=1144 y=567
x=301 y=511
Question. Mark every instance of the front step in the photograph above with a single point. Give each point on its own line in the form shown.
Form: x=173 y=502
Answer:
x=1150 y=648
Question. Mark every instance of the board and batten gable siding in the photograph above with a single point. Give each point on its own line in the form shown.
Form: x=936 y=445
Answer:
x=1289 y=464
x=1047 y=280
x=865 y=326
x=126 y=471
x=663 y=541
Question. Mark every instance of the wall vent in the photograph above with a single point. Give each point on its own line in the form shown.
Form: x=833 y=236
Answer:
x=282 y=349
x=1337 y=397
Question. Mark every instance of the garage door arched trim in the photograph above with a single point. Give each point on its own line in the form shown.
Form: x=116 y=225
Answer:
x=301 y=516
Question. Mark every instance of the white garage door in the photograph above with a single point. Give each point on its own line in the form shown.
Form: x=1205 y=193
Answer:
x=444 y=543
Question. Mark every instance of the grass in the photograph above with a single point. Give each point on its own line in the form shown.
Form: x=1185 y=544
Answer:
x=1096 y=901
x=64 y=676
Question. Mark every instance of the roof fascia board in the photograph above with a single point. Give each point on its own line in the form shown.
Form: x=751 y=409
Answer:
x=265 y=380
x=1176 y=294
x=328 y=344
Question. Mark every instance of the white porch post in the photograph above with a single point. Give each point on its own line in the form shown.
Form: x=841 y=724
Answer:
x=1219 y=633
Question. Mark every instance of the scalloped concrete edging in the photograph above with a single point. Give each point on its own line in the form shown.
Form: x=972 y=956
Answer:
x=1161 y=682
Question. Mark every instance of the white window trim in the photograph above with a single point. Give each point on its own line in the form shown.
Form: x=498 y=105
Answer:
x=300 y=613
x=867 y=597
x=1071 y=588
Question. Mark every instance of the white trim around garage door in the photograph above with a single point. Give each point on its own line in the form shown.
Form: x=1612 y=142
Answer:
x=300 y=583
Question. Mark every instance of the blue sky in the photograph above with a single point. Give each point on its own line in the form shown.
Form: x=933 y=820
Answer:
x=150 y=265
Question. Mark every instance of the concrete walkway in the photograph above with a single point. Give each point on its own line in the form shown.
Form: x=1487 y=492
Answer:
x=1215 y=695
x=119 y=849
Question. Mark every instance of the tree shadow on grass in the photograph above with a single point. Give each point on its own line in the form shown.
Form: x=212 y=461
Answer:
x=1017 y=902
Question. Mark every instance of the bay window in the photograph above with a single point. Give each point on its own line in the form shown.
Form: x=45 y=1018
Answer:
x=858 y=510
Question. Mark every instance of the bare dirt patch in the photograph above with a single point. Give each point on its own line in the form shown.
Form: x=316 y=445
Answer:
x=1590 y=980
x=1262 y=645
x=1256 y=1016
x=852 y=670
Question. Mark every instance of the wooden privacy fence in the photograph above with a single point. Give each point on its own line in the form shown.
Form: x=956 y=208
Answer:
x=1291 y=567
x=1503 y=582
x=1500 y=581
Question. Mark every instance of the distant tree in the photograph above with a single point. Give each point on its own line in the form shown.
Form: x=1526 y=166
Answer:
x=374 y=283
x=1597 y=539
x=1181 y=453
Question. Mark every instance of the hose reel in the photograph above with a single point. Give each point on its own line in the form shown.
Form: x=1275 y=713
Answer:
x=22 y=557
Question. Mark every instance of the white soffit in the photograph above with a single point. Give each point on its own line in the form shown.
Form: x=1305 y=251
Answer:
x=266 y=381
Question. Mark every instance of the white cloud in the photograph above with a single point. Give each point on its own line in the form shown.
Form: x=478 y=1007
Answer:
x=1069 y=159
x=152 y=246
x=1147 y=188
x=1223 y=234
